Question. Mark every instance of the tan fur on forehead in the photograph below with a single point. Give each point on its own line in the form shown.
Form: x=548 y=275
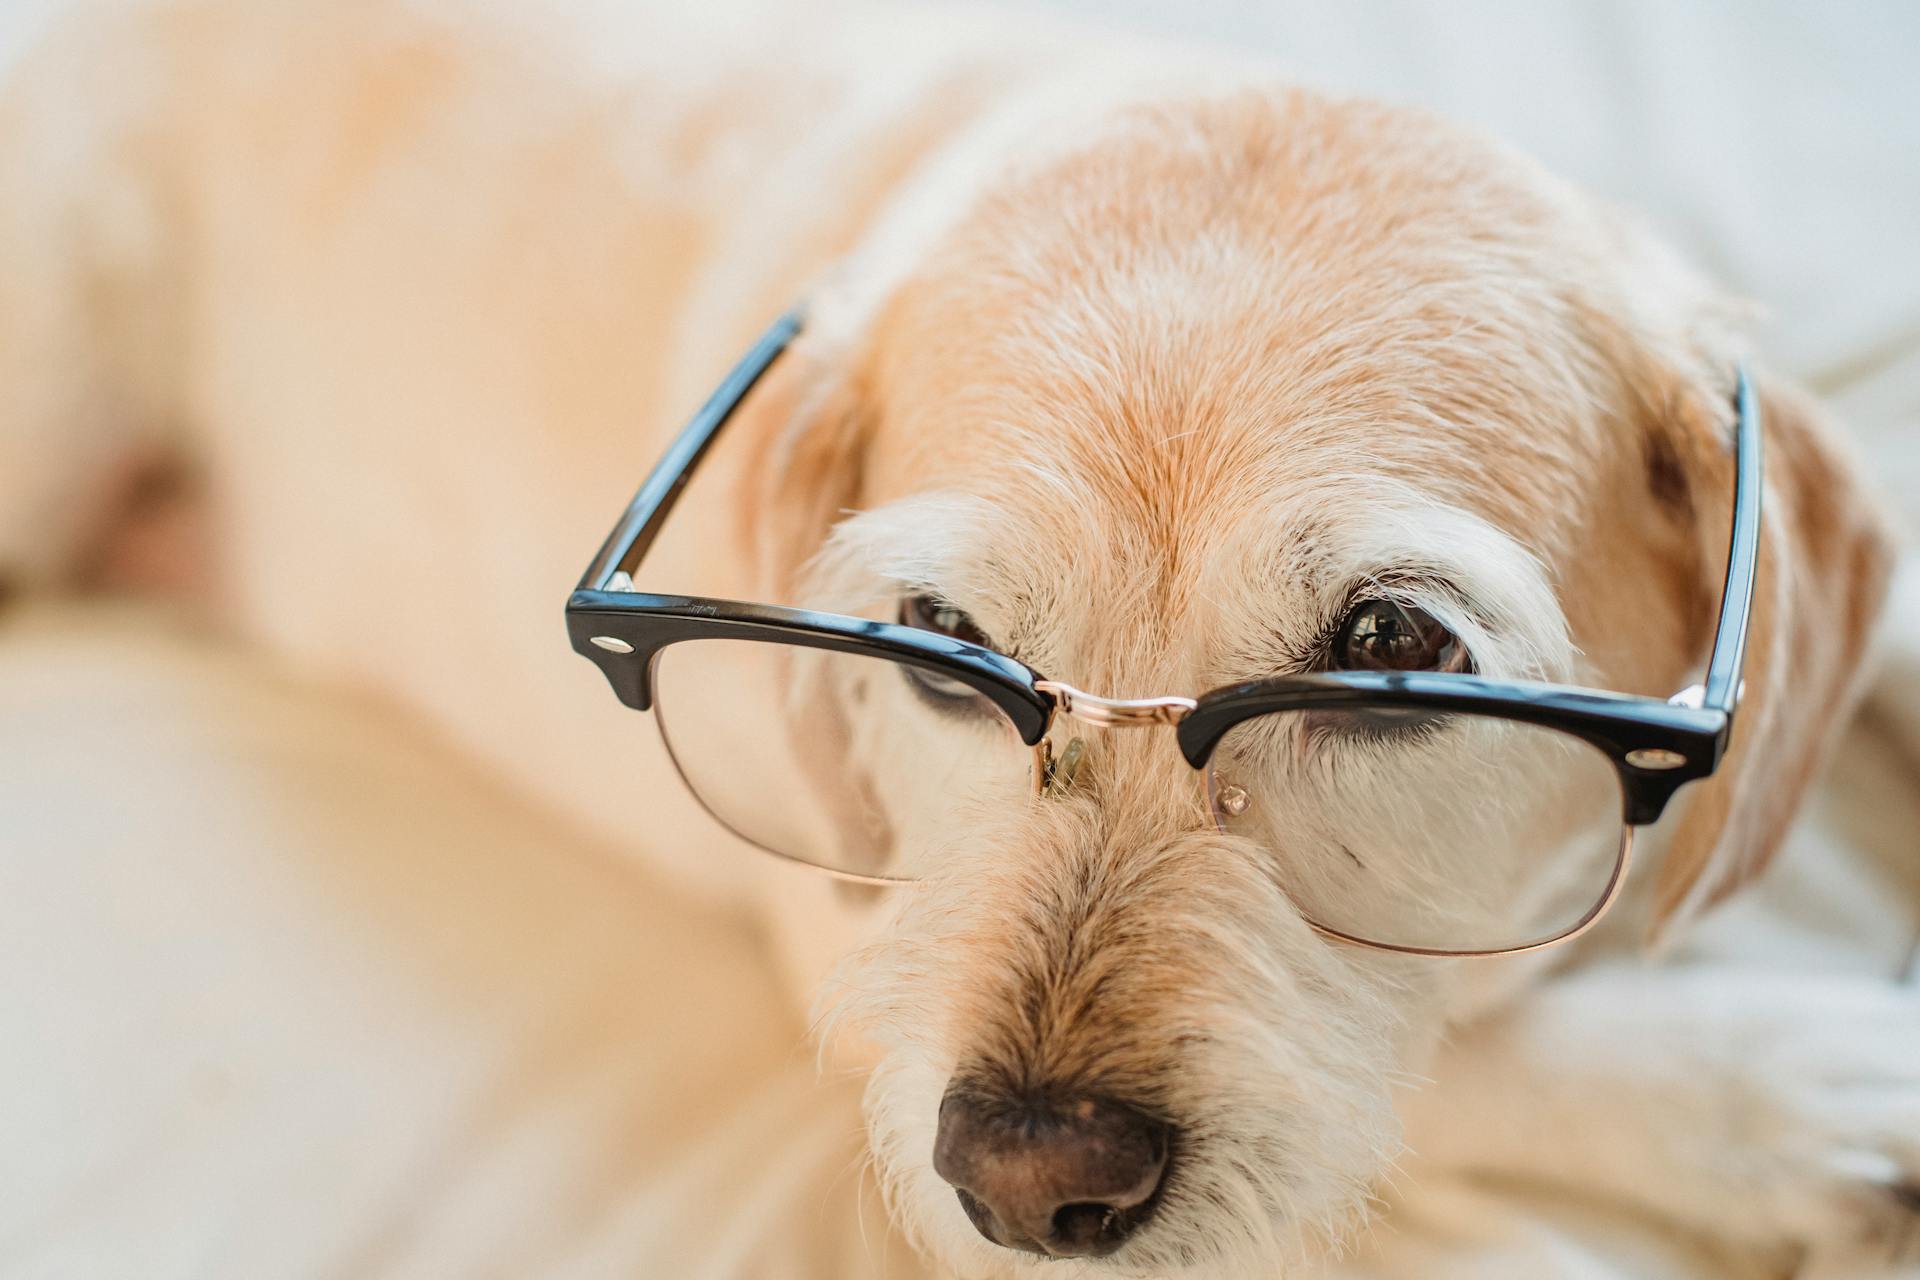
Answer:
x=1218 y=294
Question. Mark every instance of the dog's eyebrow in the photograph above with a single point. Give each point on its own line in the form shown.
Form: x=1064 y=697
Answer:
x=1372 y=538
x=929 y=542
x=1307 y=645
x=916 y=539
x=1487 y=590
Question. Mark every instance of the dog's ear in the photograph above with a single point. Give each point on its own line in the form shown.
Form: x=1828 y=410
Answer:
x=1825 y=555
x=807 y=429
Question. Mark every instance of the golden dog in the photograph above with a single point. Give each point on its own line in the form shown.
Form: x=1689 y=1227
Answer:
x=1150 y=378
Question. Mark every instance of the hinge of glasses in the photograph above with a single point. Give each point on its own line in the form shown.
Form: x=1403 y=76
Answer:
x=618 y=580
x=1693 y=697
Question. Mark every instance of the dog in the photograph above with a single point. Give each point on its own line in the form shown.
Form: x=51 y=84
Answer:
x=1144 y=372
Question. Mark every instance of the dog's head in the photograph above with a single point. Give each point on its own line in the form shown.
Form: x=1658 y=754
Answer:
x=1171 y=409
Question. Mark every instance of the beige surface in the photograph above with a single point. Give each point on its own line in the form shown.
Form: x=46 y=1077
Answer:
x=290 y=991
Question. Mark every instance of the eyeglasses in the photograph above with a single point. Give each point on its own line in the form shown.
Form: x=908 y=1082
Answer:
x=1433 y=813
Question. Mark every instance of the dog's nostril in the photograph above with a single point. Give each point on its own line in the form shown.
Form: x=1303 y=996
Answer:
x=1068 y=1179
x=1082 y=1227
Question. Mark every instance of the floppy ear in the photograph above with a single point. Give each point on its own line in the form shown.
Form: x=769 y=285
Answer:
x=1825 y=555
x=807 y=431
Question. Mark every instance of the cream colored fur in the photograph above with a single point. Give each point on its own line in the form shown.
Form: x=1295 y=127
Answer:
x=420 y=289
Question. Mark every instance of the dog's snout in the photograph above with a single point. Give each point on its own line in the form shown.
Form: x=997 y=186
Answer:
x=1068 y=1179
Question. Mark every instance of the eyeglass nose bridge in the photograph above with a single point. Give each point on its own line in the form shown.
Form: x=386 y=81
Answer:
x=1114 y=713
x=1056 y=776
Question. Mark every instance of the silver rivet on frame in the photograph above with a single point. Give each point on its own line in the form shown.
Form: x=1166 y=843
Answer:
x=1655 y=758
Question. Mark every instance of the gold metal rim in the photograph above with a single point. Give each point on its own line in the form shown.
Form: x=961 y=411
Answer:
x=1622 y=862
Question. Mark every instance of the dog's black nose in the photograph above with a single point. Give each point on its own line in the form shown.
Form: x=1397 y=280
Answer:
x=1069 y=1179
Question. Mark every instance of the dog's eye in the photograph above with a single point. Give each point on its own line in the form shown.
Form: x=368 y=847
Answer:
x=931 y=613
x=1383 y=635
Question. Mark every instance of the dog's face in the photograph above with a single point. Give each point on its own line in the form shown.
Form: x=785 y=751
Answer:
x=1191 y=404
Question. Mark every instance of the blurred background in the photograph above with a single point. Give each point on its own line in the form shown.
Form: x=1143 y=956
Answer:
x=252 y=1025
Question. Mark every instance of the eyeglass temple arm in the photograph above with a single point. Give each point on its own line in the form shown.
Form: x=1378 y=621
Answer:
x=1724 y=666
x=647 y=513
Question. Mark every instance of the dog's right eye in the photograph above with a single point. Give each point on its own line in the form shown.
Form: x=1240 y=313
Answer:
x=931 y=613
x=942 y=693
x=1384 y=635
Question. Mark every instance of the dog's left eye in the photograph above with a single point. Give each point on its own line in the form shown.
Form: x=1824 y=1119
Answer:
x=1384 y=635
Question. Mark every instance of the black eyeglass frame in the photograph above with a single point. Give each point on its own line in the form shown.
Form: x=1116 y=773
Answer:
x=1655 y=745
